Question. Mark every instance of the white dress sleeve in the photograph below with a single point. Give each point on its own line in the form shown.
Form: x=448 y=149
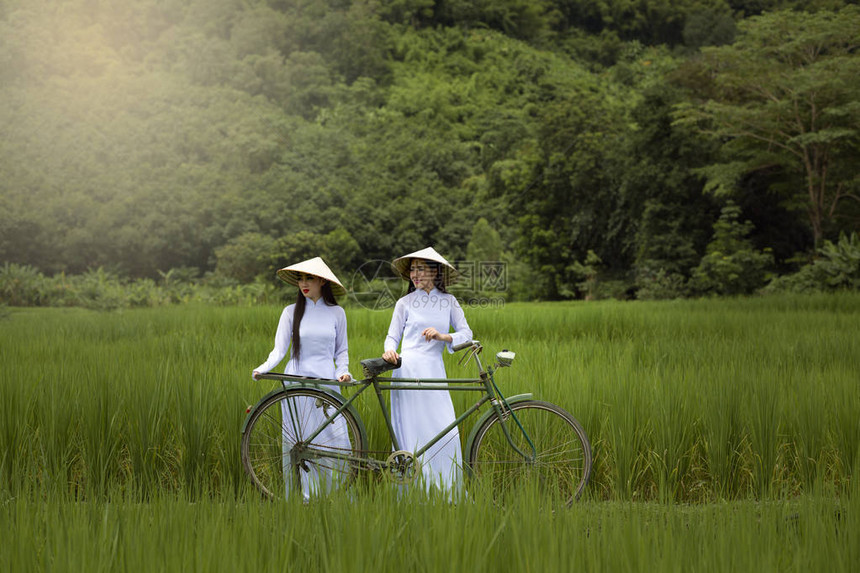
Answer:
x=395 y=329
x=462 y=333
x=341 y=346
x=283 y=336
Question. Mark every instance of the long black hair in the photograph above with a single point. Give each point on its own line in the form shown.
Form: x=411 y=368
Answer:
x=299 y=312
x=438 y=278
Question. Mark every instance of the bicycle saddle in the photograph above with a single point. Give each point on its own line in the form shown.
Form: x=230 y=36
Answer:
x=376 y=366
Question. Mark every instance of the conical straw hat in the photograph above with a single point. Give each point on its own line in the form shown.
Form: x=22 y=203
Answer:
x=401 y=264
x=315 y=266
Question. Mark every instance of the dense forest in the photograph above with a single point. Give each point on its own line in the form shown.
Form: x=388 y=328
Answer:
x=630 y=148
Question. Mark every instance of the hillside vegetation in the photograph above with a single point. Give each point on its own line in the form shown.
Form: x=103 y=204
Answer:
x=592 y=147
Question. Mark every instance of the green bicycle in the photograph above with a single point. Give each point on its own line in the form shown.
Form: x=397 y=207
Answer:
x=305 y=426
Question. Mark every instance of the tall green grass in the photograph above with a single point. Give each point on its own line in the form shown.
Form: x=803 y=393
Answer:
x=691 y=401
x=698 y=400
x=383 y=533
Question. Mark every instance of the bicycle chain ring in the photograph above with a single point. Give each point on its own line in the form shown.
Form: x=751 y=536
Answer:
x=402 y=467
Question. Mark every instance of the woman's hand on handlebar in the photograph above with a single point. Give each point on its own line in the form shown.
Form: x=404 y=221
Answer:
x=255 y=375
x=390 y=356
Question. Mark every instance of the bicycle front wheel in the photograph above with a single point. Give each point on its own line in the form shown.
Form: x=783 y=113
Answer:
x=560 y=464
x=279 y=428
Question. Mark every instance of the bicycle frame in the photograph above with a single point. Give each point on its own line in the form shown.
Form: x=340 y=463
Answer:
x=485 y=384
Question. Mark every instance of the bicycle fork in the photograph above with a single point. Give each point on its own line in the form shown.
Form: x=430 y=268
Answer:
x=504 y=412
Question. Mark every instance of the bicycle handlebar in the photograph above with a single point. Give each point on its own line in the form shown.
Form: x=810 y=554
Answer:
x=464 y=345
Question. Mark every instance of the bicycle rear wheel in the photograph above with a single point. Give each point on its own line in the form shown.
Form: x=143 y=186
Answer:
x=286 y=419
x=562 y=462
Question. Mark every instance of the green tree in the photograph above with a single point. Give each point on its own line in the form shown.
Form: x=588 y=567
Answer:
x=732 y=266
x=670 y=217
x=485 y=244
x=524 y=19
x=341 y=251
x=836 y=267
x=572 y=203
x=651 y=23
x=756 y=7
x=709 y=27
x=588 y=272
x=495 y=268
x=785 y=96
x=411 y=12
x=246 y=257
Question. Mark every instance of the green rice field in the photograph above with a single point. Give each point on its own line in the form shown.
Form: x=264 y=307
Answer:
x=725 y=436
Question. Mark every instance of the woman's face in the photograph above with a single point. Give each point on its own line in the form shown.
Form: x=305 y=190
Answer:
x=421 y=274
x=311 y=286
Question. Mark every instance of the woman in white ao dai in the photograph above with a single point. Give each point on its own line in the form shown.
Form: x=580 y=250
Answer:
x=319 y=349
x=424 y=322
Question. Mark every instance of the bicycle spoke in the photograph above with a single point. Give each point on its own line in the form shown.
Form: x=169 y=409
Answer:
x=277 y=427
x=562 y=463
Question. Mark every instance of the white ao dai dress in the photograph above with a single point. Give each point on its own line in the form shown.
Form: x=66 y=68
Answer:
x=324 y=354
x=419 y=415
